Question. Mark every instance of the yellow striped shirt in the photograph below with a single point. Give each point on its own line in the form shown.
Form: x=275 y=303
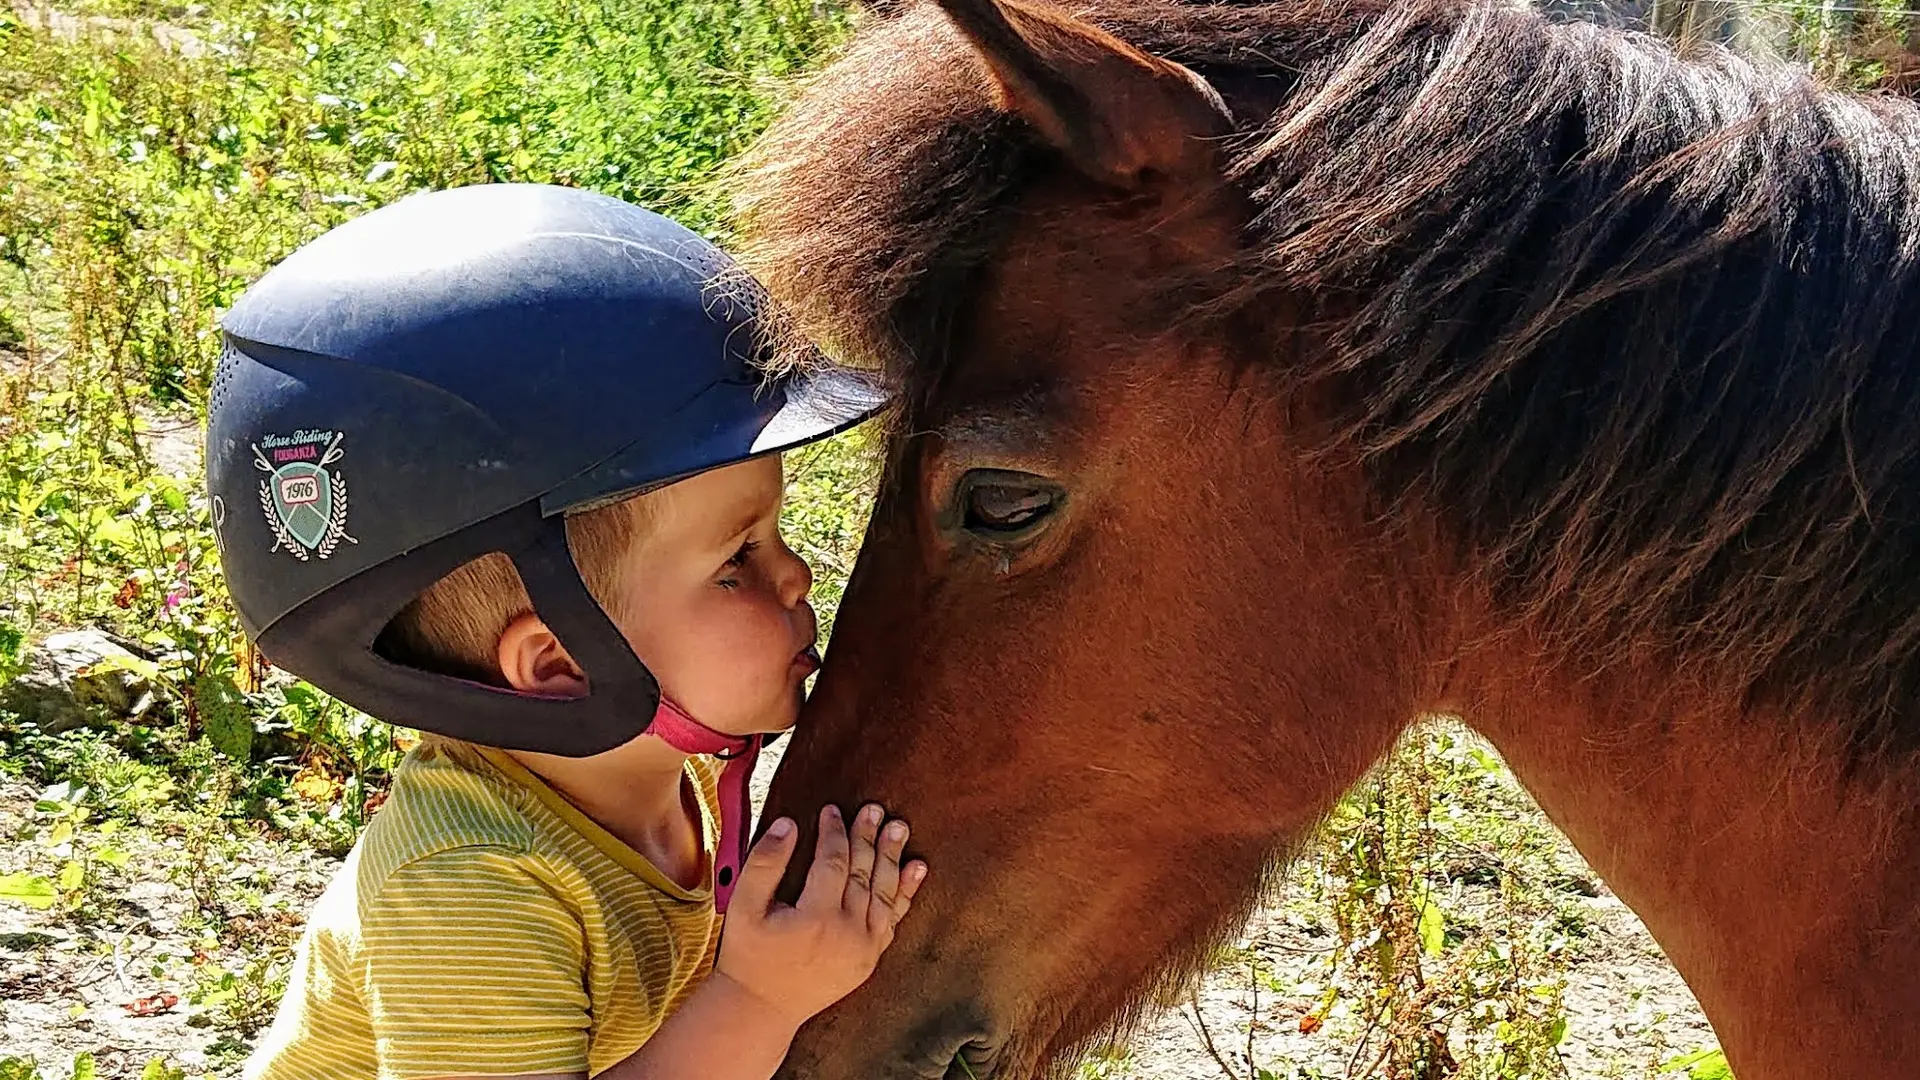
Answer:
x=483 y=926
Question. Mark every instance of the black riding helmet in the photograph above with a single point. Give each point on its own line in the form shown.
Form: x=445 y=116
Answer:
x=449 y=376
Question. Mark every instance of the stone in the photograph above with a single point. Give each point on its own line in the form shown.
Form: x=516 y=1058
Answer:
x=77 y=678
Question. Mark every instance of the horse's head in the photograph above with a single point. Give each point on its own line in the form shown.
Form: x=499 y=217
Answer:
x=1438 y=356
x=1100 y=595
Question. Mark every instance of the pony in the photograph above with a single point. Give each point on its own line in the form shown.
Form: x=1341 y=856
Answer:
x=1272 y=375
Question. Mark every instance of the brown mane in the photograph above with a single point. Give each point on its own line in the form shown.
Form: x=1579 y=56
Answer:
x=1630 y=322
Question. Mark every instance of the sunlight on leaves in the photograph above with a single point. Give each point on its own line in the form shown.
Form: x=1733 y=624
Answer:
x=32 y=890
x=1706 y=1064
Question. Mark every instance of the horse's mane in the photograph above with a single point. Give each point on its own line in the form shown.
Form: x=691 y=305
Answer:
x=1634 y=323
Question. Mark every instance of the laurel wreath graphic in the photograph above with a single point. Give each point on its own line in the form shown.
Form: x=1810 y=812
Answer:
x=281 y=538
x=337 y=524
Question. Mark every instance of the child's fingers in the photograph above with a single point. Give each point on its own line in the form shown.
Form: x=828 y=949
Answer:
x=766 y=862
x=827 y=878
x=886 y=873
x=911 y=877
x=866 y=833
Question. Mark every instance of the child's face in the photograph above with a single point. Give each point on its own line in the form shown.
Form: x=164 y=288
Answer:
x=719 y=602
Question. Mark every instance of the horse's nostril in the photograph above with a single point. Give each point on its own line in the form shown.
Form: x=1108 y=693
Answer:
x=955 y=1041
x=973 y=1061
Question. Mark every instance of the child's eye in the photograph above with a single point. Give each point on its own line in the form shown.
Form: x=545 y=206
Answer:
x=737 y=560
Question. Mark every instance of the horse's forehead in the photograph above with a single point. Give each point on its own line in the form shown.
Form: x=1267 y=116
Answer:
x=1060 y=304
x=1083 y=270
x=1071 y=240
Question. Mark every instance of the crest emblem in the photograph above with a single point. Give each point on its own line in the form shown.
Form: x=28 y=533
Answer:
x=305 y=503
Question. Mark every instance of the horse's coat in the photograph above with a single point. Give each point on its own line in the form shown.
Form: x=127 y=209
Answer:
x=1364 y=361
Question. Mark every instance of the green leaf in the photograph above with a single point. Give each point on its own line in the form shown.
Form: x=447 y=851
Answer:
x=224 y=716
x=72 y=876
x=158 y=1069
x=19 y=1068
x=117 y=533
x=29 y=889
x=112 y=856
x=140 y=666
x=1433 y=927
x=84 y=1068
x=1706 y=1064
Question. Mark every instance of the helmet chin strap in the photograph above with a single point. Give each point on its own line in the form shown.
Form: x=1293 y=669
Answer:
x=673 y=726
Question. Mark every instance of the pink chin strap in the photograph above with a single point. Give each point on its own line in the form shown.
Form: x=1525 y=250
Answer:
x=672 y=725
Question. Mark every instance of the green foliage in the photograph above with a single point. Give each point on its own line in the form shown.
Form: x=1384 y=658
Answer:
x=158 y=1069
x=78 y=851
x=244 y=1000
x=148 y=184
x=84 y=1068
x=1441 y=980
x=1706 y=1064
x=1105 y=1064
x=829 y=494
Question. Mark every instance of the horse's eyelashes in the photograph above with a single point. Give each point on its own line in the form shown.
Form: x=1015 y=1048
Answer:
x=1008 y=506
x=1000 y=505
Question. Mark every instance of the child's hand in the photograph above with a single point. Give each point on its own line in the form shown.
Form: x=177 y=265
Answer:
x=798 y=960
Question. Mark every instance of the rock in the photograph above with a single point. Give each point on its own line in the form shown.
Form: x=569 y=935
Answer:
x=78 y=678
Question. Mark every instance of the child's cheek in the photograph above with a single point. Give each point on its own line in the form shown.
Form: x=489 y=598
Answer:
x=755 y=634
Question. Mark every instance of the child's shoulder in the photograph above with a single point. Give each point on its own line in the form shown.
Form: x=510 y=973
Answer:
x=442 y=802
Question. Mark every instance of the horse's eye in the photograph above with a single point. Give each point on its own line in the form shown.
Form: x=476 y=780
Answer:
x=1000 y=505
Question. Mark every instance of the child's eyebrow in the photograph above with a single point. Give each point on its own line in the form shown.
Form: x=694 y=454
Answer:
x=748 y=515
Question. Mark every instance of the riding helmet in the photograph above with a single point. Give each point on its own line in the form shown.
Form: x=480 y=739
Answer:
x=450 y=376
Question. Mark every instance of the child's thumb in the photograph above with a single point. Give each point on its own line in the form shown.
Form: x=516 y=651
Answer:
x=764 y=867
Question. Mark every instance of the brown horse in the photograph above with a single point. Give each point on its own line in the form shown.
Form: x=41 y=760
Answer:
x=1275 y=374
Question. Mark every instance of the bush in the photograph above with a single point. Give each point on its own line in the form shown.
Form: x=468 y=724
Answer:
x=151 y=180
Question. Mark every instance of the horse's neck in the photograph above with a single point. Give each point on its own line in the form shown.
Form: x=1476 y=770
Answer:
x=1786 y=891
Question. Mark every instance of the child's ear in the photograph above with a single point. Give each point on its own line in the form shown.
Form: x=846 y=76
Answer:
x=533 y=661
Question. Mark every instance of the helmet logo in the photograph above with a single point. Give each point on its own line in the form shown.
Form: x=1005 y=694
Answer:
x=305 y=504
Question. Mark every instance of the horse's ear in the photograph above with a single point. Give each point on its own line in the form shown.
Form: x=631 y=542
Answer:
x=1117 y=113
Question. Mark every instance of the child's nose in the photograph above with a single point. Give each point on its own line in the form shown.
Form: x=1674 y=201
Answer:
x=796 y=578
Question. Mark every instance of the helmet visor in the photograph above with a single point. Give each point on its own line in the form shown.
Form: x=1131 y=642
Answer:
x=728 y=422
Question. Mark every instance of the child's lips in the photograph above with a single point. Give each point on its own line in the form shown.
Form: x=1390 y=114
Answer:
x=808 y=659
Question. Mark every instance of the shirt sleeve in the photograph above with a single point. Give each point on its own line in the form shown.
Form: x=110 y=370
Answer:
x=472 y=964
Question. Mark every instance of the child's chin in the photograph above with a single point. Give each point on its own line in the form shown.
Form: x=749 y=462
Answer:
x=780 y=719
x=787 y=717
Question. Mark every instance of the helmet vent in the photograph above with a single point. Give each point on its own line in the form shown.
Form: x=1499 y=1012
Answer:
x=223 y=375
x=731 y=295
x=707 y=260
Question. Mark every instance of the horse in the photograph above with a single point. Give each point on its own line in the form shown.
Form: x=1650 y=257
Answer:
x=1271 y=375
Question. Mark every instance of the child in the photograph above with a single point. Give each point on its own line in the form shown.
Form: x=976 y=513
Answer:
x=496 y=463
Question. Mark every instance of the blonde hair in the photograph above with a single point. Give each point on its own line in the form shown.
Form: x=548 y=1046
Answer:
x=454 y=627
